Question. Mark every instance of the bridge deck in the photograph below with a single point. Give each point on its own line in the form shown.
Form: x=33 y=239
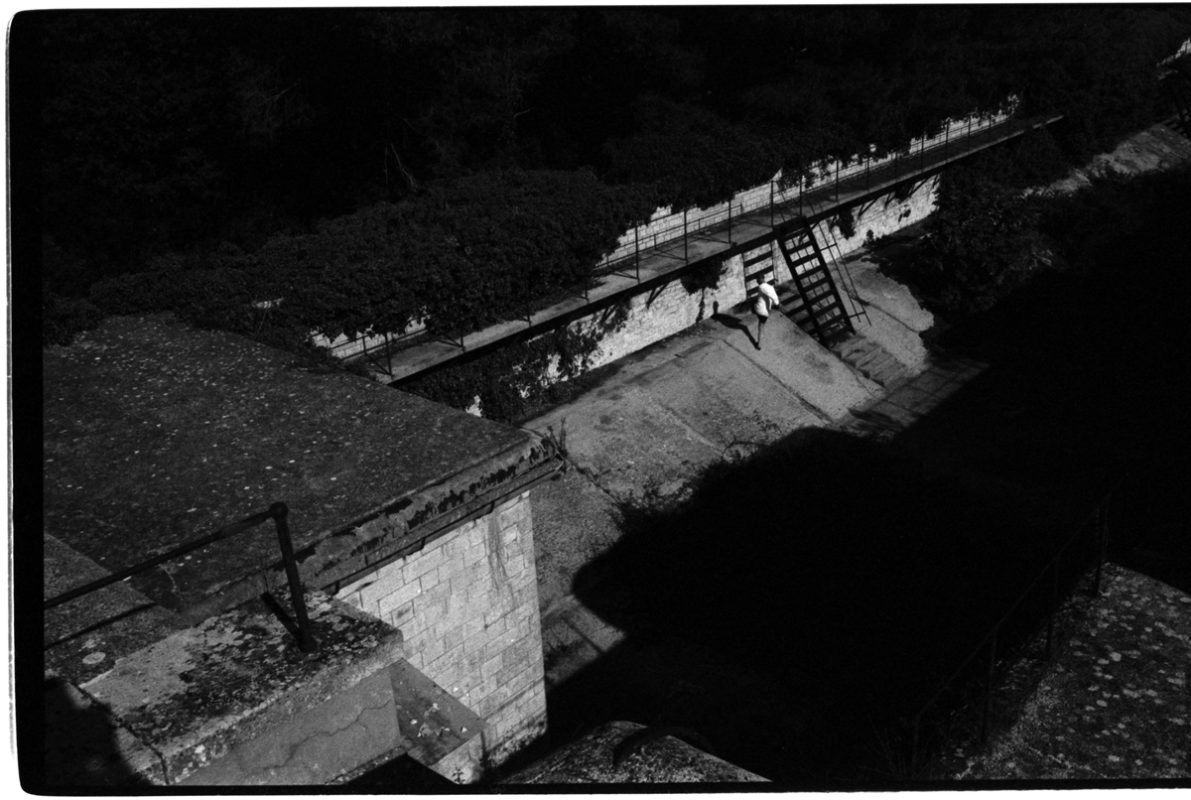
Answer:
x=660 y=264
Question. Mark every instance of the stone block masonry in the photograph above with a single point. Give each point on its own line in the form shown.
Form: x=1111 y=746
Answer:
x=467 y=608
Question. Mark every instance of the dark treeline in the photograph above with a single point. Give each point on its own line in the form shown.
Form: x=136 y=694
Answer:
x=216 y=131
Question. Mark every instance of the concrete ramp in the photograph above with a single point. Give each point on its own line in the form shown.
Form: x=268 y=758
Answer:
x=700 y=398
x=805 y=367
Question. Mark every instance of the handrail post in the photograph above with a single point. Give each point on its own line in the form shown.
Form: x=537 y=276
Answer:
x=801 y=185
x=685 y=257
x=637 y=251
x=729 y=221
x=771 y=204
x=306 y=641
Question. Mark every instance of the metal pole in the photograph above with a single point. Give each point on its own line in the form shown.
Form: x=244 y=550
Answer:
x=837 y=181
x=684 y=250
x=729 y=220
x=637 y=251
x=116 y=577
x=306 y=642
x=771 y=204
x=801 y=185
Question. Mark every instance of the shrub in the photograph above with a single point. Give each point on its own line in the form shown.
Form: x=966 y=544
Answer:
x=467 y=253
x=64 y=317
x=982 y=243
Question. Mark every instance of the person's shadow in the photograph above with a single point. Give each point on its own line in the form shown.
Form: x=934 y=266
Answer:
x=734 y=322
x=80 y=745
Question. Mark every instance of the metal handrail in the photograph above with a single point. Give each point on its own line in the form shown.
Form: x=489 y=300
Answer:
x=835 y=259
x=891 y=171
x=1098 y=519
x=278 y=512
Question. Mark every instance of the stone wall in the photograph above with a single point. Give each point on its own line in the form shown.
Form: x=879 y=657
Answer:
x=656 y=315
x=670 y=309
x=467 y=608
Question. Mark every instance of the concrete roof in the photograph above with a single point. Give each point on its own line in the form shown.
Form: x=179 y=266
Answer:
x=156 y=433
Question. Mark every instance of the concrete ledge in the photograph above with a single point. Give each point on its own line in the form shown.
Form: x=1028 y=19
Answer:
x=436 y=729
x=234 y=701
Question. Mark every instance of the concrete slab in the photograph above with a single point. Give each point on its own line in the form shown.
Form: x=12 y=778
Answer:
x=729 y=400
x=157 y=433
x=1114 y=704
x=629 y=443
x=235 y=700
x=887 y=295
x=627 y=752
x=84 y=637
x=900 y=341
x=805 y=367
x=574 y=521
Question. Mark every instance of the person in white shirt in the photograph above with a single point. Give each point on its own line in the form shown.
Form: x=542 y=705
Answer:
x=763 y=303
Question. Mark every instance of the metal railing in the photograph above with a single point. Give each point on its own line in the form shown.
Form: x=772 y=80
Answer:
x=278 y=512
x=834 y=258
x=1047 y=580
x=873 y=174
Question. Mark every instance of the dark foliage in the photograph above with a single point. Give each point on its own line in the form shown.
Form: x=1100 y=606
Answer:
x=981 y=244
x=465 y=253
x=179 y=130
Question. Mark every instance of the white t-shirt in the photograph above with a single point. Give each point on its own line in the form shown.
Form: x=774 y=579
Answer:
x=766 y=299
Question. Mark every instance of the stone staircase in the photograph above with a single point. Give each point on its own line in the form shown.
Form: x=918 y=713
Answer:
x=872 y=361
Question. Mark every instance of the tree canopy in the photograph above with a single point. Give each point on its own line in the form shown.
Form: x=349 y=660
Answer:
x=222 y=130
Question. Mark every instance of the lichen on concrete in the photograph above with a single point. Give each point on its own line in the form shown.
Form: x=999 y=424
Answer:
x=196 y=694
x=1115 y=703
x=157 y=433
x=594 y=759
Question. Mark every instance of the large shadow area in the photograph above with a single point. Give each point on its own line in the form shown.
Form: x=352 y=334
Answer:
x=802 y=603
x=806 y=601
